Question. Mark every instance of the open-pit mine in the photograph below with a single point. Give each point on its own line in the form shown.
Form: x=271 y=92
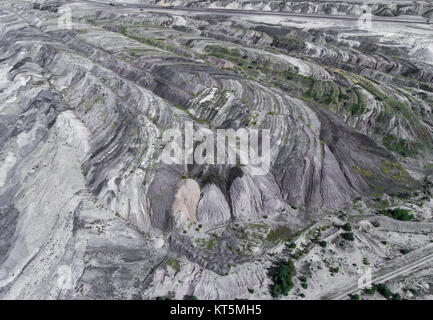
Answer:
x=89 y=90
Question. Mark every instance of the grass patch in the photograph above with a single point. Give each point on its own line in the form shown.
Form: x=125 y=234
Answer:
x=402 y=146
x=366 y=174
x=287 y=43
x=174 y=264
x=280 y=233
x=394 y=170
x=153 y=42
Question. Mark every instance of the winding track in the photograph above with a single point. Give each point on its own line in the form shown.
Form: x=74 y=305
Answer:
x=426 y=256
x=240 y=12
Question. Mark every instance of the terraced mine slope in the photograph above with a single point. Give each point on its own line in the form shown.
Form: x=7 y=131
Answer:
x=88 y=209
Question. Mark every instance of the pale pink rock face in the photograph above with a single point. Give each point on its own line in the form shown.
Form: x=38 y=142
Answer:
x=186 y=200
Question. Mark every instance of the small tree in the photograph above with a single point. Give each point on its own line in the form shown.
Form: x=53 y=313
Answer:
x=371 y=290
x=283 y=279
x=384 y=290
x=396 y=296
x=348 y=236
x=347 y=227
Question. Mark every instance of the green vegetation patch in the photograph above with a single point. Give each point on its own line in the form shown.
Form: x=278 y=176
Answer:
x=153 y=42
x=366 y=174
x=398 y=214
x=221 y=52
x=394 y=170
x=384 y=290
x=280 y=233
x=334 y=270
x=402 y=146
x=288 y=43
x=348 y=236
x=174 y=264
x=347 y=227
x=283 y=279
x=208 y=244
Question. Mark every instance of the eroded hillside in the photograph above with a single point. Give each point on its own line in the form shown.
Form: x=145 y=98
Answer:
x=84 y=108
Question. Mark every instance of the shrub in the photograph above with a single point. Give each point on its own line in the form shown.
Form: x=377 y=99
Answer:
x=334 y=270
x=384 y=290
x=354 y=297
x=347 y=227
x=414 y=292
x=398 y=214
x=396 y=296
x=404 y=251
x=323 y=243
x=283 y=279
x=348 y=236
x=371 y=290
